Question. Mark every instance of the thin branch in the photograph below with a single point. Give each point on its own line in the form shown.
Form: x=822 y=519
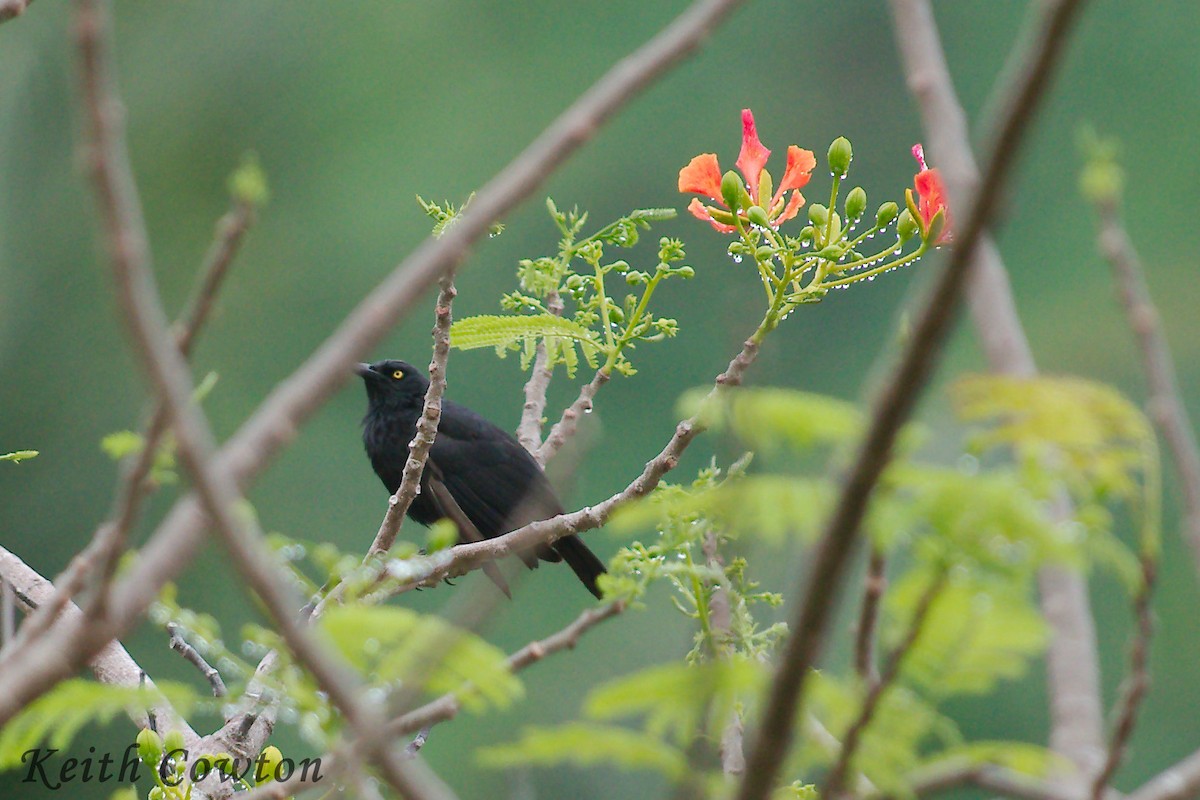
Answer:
x=894 y=406
x=112 y=664
x=149 y=334
x=1165 y=403
x=565 y=428
x=868 y=618
x=1072 y=663
x=1137 y=683
x=446 y=707
x=999 y=780
x=835 y=780
x=10 y=9
x=529 y=431
x=1180 y=781
x=720 y=623
x=193 y=657
x=274 y=424
x=427 y=425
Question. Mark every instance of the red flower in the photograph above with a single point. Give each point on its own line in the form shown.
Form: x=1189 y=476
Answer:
x=932 y=193
x=702 y=176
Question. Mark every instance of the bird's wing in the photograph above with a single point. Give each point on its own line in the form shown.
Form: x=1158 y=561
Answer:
x=467 y=531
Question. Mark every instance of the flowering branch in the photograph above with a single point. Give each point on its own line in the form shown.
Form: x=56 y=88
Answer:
x=894 y=406
x=273 y=425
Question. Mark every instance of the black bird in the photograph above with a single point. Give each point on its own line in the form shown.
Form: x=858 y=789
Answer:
x=477 y=475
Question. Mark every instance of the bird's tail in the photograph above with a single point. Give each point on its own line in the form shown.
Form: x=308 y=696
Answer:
x=582 y=560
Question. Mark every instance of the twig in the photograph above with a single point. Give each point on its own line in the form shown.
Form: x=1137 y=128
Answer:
x=12 y=8
x=565 y=428
x=108 y=542
x=149 y=334
x=895 y=404
x=1137 y=683
x=529 y=431
x=112 y=664
x=427 y=425
x=418 y=741
x=446 y=707
x=1180 y=781
x=1165 y=403
x=273 y=425
x=720 y=623
x=193 y=657
x=1072 y=663
x=835 y=780
x=868 y=617
x=1000 y=780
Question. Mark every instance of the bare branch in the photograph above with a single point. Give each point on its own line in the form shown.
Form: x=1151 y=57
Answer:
x=565 y=428
x=868 y=617
x=529 y=431
x=112 y=664
x=1180 y=781
x=273 y=425
x=1137 y=683
x=1000 y=780
x=892 y=409
x=193 y=657
x=720 y=623
x=1165 y=403
x=835 y=780
x=12 y=8
x=427 y=425
x=1073 y=675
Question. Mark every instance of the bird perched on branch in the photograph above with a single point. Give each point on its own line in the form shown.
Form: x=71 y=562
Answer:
x=477 y=475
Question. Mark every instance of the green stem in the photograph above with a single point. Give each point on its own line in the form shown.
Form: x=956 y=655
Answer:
x=839 y=268
x=900 y=262
x=833 y=193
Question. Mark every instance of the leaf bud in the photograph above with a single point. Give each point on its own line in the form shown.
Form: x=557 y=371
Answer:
x=840 y=154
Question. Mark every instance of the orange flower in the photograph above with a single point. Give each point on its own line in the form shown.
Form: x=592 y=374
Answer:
x=702 y=176
x=932 y=193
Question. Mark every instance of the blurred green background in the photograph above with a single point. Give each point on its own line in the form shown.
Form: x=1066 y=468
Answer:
x=354 y=107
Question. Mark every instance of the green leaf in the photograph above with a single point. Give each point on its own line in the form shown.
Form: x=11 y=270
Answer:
x=587 y=745
x=676 y=698
x=119 y=444
x=17 y=456
x=394 y=644
x=60 y=713
x=768 y=419
x=507 y=333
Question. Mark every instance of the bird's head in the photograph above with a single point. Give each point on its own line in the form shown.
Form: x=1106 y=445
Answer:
x=393 y=383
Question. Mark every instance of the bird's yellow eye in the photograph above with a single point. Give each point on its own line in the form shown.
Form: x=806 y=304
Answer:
x=398 y=374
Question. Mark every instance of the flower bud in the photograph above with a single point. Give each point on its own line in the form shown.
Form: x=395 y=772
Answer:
x=270 y=759
x=807 y=233
x=686 y=272
x=906 y=226
x=856 y=203
x=840 y=154
x=886 y=213
x=173 y=742
x=149 y=747
x=831 y=253
x=764 y=253
x=758 y=216
x=615 y=314
x=731 y=190
x=818 y=214
x=574 y=282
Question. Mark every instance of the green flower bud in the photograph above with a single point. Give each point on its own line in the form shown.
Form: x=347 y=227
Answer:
x=270 y=759
x=807 y=233
x=886 y=213
x=818 y=214
x=574 y=282
x=633 y=277
x=906 y=226
x=731 y=190
x=831 y=253
x=840 y=154
x=173 y=742
x=835 y=227
x=758 y=216
x=764 y=253
x=686 y=272
x=149 y=747
x=856 y=203
x=224 y=763
x=615 y=314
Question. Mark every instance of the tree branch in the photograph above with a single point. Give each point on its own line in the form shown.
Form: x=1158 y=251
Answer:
x=895 y=404
x=529 y=431
x=868 y=617
x=1073 y=676
x=112 y=664
x=1180 y=781
x=193 y=657
x=10 y=9
x=427 y=425
x=1165 y=403
x=565 y=428
x=273 y=425
x=1000 y=780
x=835 y=780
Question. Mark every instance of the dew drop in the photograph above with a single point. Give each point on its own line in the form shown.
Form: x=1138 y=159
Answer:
x=737 y=259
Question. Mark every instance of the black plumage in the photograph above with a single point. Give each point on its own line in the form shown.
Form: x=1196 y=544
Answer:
x=477 y=475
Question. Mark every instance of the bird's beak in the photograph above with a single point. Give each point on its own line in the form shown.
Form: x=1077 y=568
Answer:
x=363 y=370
